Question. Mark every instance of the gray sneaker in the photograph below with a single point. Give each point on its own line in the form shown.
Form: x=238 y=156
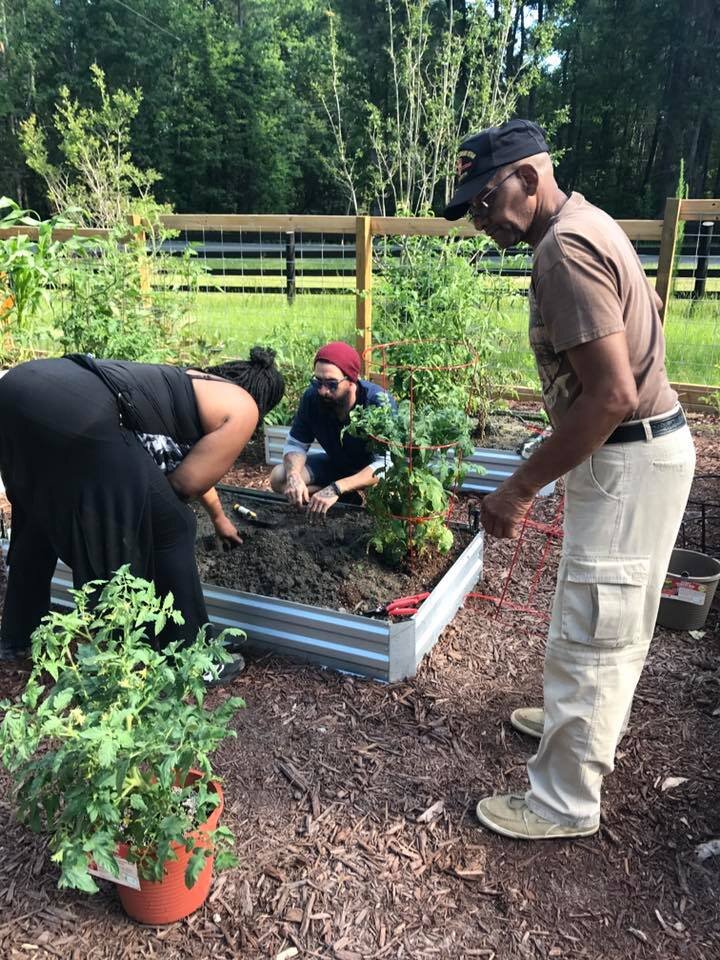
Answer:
x=509 y=815
x=529 y=720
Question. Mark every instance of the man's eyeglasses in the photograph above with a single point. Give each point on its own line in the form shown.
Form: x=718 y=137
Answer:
x=479 y=209
x=330 y=385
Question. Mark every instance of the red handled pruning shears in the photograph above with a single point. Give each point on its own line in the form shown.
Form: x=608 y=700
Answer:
x=405 y=606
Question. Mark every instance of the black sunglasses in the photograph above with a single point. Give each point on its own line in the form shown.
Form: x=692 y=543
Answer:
x=330 y=384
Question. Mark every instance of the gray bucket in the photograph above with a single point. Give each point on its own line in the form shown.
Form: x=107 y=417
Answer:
x=688 y=590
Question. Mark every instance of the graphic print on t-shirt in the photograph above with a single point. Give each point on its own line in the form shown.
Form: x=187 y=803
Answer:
x=553 y=369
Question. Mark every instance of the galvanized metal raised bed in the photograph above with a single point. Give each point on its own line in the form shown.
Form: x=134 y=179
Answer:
x=341 y=641
x=488 y=467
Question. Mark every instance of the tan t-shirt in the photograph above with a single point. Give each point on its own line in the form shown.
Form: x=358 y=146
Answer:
x=588 y=282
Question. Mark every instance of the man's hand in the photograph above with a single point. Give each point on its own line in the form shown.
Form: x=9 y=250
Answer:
x=227 y=531
x=503 y=511
x=296 y=490
x=321 y=501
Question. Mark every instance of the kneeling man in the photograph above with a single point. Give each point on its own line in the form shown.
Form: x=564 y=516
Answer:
x=320 y=479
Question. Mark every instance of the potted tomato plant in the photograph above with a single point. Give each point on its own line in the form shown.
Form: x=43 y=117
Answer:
x=112 y=758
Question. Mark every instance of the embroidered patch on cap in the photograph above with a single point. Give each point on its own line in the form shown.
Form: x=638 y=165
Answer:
x=464 y=162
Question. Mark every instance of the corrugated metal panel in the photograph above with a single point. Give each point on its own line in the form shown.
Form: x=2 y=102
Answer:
x=498 y=466
x=341 y=641
x=275 y=438
x=447 y=597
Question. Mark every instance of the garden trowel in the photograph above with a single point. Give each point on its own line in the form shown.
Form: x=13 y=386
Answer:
x=255 y=520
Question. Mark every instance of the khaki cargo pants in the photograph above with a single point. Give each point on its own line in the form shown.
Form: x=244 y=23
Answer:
x=623 y=509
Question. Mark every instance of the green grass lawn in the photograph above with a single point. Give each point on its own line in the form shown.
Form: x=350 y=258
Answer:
x=692 y=330
x=243 y=319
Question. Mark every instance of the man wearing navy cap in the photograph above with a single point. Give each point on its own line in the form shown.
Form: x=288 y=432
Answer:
x=620 y=440
x=346 y=465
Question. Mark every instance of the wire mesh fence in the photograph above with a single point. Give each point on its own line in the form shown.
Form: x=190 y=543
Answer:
x=254 y=283
x=237 y=280
x=692 y=322
x=251 y=285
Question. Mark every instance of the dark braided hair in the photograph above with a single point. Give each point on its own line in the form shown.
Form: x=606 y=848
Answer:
x=258 y=375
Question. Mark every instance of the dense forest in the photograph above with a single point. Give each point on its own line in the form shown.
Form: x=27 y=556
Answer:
x=330 y=106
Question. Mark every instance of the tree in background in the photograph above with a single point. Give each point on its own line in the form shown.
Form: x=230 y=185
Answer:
x=232 y=114
x=97 y=179
x=228 y=116
x=452 y=68
x=642 y=82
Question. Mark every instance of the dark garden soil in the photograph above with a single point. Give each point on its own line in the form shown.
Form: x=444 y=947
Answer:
x=323 y=562
x=353 y=806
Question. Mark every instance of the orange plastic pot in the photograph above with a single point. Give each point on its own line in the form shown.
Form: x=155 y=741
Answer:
x=168 y=900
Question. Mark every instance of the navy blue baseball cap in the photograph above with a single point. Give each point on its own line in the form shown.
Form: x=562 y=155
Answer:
x=483 y=153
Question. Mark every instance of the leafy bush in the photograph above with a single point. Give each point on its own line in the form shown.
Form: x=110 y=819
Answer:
x=97 y=758
x=97 y=178
x=30 y=270
x=103 y=295
x=410 y=503
x=446 y=291
x=108 y=305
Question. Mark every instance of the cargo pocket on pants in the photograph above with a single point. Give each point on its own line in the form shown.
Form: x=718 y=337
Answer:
x=603 y=599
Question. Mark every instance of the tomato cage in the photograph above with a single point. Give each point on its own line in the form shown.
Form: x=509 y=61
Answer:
x=529 y=562
x=428 y=375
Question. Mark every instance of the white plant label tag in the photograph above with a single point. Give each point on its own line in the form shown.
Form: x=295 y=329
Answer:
x=127 y=876
x=684 y=590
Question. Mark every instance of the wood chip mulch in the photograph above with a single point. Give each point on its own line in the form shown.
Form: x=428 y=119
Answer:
x=353 y=807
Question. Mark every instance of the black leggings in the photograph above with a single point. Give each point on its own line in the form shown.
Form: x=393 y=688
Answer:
x=27 y=598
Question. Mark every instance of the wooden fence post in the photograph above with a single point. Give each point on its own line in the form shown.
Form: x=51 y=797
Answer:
x=139 y=237
x=363 y=288
x=666 y=260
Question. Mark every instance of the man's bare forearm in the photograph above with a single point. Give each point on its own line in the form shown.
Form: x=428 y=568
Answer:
x=358 y=481
x=294 y=463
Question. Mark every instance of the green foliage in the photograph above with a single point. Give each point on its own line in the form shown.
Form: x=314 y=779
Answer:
x=232 y=113
x=713 y=400
x=682 y=190
x=97 y=757
x=446 y=70
x=30 y=271
x=626 y=133
x=29 y=267
x=422 y=447
x=450 y=293
x=116 y=301
x=105 y=295
x=97 y=180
